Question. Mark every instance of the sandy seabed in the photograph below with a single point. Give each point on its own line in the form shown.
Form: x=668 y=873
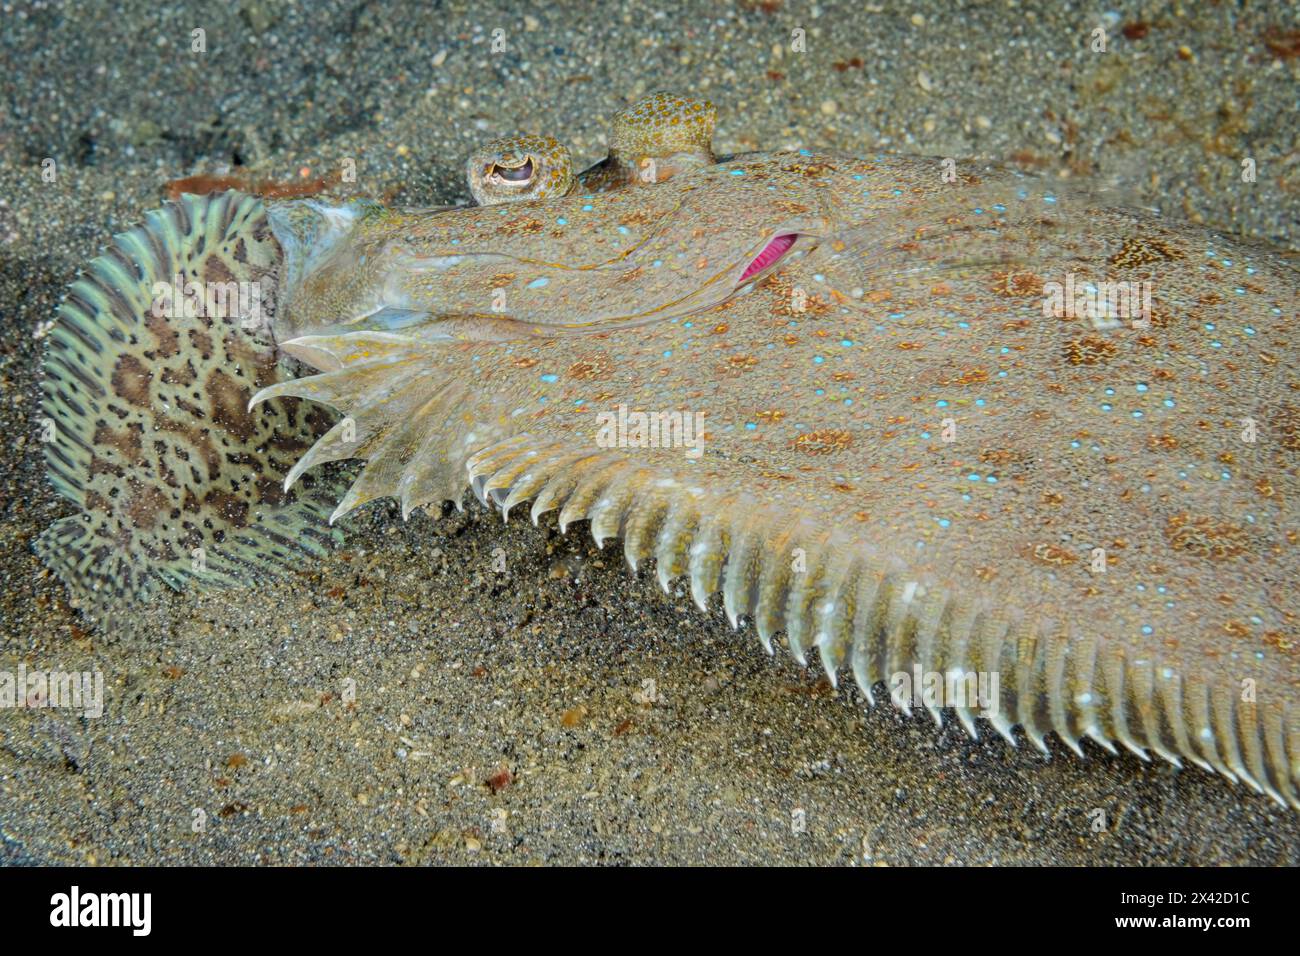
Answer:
x=566 y=711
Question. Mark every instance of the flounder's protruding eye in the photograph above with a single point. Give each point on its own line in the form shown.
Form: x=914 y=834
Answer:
x=656 y=138
x=519 y=174
x=519 y=168
x=664 y=123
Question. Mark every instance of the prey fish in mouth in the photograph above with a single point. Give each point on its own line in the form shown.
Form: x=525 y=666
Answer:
x=979 y=429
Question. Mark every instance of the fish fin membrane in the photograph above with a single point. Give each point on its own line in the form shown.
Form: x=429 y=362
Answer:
x=147 y=373
x=862 y=611
x=405 y=411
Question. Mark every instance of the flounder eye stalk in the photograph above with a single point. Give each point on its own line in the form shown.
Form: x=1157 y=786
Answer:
x=519 y=168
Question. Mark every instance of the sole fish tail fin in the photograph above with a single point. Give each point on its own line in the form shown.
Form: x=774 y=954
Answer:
x=147 y=373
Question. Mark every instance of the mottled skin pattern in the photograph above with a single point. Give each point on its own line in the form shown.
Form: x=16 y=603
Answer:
x=151 y=433
x=905 y=461
x=656 y=138
x=652 y=140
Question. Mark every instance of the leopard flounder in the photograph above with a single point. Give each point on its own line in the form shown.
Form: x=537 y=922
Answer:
x=904 y=463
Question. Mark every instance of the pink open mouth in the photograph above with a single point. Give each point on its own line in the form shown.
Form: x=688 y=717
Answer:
x=774 y=250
